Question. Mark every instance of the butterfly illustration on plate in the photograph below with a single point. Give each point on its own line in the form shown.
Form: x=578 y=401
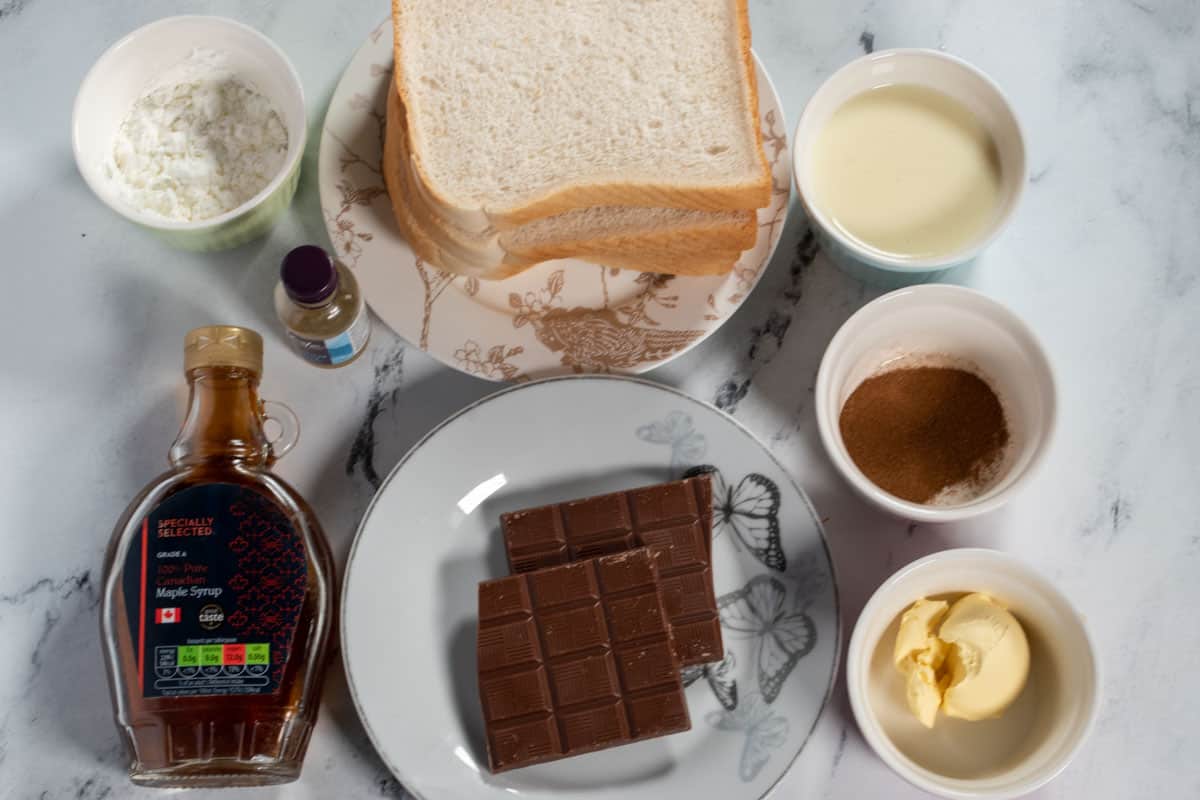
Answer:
x=765 y=731
x=750 y=510
x=781 y=637
x=720 y=679
x=687 y=444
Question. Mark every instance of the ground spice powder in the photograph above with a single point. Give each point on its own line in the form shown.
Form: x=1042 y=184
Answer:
x=918 y=431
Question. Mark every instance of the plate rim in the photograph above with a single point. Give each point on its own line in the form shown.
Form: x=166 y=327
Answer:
x=362 y=524
x=552 y=369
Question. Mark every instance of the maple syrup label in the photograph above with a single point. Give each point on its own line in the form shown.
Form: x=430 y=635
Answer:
x=214 y=585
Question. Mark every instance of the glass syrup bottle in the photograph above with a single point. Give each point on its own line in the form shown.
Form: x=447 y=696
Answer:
x=321 y=308
x=217 y=603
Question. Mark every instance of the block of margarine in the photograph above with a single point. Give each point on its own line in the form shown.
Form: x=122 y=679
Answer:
x=971 y=659
x=920 y=655
x=988 y=661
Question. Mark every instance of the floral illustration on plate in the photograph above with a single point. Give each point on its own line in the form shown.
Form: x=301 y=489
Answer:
x=494 y=363
x=599 y=339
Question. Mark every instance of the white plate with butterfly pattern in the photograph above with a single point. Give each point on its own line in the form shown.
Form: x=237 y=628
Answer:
x=432 y=533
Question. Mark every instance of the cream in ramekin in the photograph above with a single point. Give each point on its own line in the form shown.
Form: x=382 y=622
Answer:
x=985 y=137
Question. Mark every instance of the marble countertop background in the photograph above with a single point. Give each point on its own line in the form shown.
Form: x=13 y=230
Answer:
x=1102 y=258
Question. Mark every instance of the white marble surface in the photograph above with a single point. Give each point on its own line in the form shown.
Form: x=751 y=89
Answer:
x=1102 y=259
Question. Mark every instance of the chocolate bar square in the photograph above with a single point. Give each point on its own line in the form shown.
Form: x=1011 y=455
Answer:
x=576 y=658
x=673 y=518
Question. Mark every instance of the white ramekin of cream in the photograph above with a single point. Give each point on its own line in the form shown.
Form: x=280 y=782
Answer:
x=908 y=163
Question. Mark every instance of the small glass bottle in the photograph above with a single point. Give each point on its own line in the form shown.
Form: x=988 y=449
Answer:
x=217 y=603
x=321 y=308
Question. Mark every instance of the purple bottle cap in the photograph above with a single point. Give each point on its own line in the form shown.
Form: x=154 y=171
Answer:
x=308 y=274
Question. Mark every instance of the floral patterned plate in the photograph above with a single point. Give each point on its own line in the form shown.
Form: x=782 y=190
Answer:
x=432 y=533
x=559 y=317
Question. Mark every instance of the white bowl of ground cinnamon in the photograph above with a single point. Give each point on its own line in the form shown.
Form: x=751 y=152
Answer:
x=936 y=402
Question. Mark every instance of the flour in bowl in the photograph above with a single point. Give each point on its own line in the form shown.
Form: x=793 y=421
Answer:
x=200 y=142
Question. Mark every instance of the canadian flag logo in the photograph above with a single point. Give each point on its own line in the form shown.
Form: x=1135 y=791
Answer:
x=162 y=615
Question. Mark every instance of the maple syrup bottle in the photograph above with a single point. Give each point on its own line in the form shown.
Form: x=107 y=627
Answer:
x=218 y=591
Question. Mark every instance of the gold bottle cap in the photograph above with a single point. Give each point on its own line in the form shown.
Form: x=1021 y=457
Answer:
x=223 y=346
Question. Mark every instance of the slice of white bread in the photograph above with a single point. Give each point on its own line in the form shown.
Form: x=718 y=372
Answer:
x=655 y=240
x=591 y=230
x=673 y=240
x=431 y=251
x=732 y=230
x=528 y=108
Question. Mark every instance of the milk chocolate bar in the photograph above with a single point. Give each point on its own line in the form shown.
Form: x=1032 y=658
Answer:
x=674 y=518
x=576 y=658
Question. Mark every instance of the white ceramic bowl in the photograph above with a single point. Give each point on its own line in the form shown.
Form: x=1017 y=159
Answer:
x=1009 y=756
x=958 y=325
x=935 y=70
x=129 y=67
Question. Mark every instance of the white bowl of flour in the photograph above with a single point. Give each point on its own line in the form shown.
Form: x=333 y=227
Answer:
x=193 y=127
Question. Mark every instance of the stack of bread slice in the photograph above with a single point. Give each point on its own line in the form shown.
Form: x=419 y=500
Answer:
x=621 y=132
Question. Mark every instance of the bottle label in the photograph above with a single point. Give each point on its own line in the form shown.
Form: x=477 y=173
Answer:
x=340 y=348
x=214 y=586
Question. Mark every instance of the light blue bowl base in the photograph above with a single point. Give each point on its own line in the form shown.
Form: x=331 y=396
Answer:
x=884 y=277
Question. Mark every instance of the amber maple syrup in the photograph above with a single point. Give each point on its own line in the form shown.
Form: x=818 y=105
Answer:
x=218 y=591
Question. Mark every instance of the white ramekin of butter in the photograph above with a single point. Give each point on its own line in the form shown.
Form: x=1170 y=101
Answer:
x=193 y=127
x=908 y=163
x=1012 y=687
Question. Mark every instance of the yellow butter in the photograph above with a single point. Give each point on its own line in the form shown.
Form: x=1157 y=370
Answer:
x=919 y=654
x=988 y=662
x=971 y=659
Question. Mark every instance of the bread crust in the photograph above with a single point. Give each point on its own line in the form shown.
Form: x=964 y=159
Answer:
x=652 y=248
x=748 y=195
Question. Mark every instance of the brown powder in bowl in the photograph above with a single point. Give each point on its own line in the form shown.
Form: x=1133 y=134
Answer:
x=917 y=431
